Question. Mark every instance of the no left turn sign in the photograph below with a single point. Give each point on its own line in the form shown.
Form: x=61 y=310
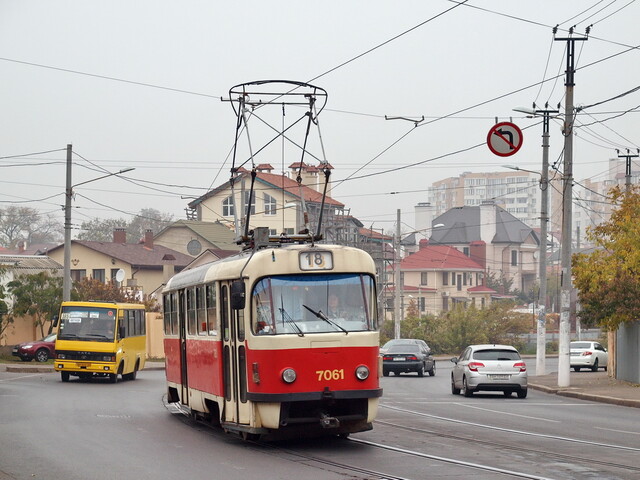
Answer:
x=504 y=139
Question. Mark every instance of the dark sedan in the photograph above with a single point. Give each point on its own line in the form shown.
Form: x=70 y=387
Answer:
x=42 y=350
x=407 y=358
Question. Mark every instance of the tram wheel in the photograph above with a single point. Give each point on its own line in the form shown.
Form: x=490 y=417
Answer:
x=250 y=437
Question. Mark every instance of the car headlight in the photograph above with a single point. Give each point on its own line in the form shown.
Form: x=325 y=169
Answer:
x=61 y=356
x=362 y=372
x=27 y=347
x=289 y=375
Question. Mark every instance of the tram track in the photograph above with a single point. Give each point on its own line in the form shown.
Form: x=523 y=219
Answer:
x=288 y=454
x=572 y=458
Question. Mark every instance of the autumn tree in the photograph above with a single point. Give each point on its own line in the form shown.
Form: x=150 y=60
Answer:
x=24 y=223
x=101 y=230
x=608 y=279
x=37 y=295
x=92 y=289
x=5 y=318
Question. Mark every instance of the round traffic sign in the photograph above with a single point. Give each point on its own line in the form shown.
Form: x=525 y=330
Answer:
x=504 y=139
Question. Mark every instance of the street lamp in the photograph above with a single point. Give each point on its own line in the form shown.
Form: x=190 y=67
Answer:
x=66 y=279
x=541 y=330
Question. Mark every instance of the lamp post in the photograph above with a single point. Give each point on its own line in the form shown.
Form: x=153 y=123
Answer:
x=66 y=279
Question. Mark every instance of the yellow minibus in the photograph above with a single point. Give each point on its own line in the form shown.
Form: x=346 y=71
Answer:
x=103 y=339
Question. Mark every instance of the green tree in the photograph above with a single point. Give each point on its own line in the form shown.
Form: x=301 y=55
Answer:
x=608 y=279
x=38 y=295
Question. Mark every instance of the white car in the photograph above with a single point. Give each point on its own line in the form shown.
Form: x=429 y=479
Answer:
x=588 y=355
x=489 y=368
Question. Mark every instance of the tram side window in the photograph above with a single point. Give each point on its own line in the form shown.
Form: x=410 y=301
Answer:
x=224 y=312
x=191 y=312
x=166 y=309
x=212 y=319
x=201 y=311
x=174 y=313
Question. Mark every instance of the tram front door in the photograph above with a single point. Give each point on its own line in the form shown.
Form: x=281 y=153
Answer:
x=236 y=408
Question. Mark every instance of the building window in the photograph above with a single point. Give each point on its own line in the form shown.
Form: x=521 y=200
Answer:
x=269 y=205
x=445 y=278
x=514 y=258
x=465 y=250
x=98 y=274
x=114 y=272
x=421 y=303
x=77 y=275
x=423 y=278
x=227 y=207
x=247 y=197
x=453 y=278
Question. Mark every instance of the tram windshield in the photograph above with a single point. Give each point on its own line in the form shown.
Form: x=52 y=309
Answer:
x=306 y=304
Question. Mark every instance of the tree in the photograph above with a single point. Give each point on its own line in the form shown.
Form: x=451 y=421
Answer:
x=608 y=279
x=91 y=289
x=38 y=295
x=24 y=223
x=5 y=319
x=99 y=230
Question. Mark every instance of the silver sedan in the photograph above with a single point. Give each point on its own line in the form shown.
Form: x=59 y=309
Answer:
x=489 y=368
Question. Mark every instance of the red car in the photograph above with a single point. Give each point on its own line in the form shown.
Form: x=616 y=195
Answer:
x=42 y=350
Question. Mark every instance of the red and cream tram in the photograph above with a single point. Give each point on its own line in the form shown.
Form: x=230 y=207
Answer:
x=280 y=338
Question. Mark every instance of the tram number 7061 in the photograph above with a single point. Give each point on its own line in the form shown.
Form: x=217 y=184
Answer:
x=330 y=374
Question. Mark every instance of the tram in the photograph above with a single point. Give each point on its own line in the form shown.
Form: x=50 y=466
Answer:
x=281 y=338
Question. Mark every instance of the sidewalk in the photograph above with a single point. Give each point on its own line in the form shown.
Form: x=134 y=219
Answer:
x=587 y=385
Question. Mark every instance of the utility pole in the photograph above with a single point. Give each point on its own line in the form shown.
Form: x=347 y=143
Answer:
x=397 y=281
x=627 y=175
x=564 y=365
x=68 y=193
x=541 y=327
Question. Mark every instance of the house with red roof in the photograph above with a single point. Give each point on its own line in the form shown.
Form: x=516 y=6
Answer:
x=437 y=277
x=277 y=202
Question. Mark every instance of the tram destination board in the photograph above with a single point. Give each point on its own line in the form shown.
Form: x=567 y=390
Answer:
x=316 y=260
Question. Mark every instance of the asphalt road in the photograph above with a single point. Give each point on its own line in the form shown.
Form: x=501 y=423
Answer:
x=55 y=430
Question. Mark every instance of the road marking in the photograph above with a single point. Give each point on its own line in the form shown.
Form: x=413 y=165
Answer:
x=18 y=378
x=506 y=413
x=617 y=431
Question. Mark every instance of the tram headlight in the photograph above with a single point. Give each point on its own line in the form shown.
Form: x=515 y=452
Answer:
x=362 y=372
x=289 y=375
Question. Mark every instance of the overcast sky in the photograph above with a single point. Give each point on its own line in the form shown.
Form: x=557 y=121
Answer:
x=138 y=84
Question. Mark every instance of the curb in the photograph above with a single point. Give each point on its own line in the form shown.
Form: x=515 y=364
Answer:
x=49 y=368
x=625 y=402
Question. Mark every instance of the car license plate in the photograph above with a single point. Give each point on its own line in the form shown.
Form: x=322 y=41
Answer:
x=399 y=359
x=15 y=350
x=499 y=377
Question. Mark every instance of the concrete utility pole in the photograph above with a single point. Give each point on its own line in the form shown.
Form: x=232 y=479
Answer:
x=397 y=281
x=541 y=329
x=627 y=175
x=68 y=193
x=66 y=279
x=564 y=366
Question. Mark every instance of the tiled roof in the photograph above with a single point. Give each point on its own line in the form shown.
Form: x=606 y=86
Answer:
x=439 y=257
x=281 y=182
x=137 y=254
x=214 y=232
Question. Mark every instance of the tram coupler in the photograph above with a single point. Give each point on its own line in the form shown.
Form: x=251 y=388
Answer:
x=329 y=422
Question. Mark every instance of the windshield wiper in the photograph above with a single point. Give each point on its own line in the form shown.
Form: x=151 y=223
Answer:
x=322 y=316
x=287 y=317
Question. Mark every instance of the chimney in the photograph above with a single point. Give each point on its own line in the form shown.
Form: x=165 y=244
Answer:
x=424 y=243
x=21 y=246
x=478 y=253
x=148 y=239
x=488 y=220
x=119 y=235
